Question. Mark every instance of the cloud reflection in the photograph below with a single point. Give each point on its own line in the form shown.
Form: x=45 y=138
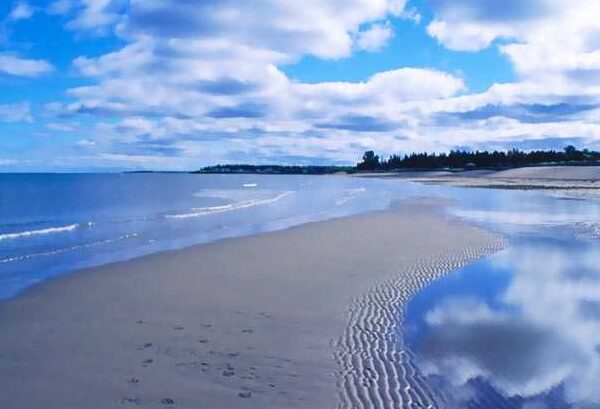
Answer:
x=543 y=335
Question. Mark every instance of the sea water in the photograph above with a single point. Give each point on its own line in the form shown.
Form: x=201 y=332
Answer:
x=51 y=224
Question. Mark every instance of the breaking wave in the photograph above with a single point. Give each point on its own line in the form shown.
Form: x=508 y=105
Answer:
x=38 y=232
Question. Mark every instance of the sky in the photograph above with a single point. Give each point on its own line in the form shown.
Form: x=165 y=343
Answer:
x=100 y=85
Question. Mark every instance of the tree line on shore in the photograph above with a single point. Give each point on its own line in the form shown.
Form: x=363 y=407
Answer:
x=457 y=159
x=277 y=169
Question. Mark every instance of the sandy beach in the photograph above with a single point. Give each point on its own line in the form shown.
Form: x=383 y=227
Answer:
x=572 y=178
x=306 y=317
x=578 y=181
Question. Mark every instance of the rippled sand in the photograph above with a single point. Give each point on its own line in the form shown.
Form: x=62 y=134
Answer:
x=377 y=369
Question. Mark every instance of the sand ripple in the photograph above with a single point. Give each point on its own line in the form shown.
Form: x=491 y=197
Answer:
x=377 y=370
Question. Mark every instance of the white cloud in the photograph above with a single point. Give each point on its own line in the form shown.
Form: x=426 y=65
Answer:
x=21 y=11
x=85 y=143
x=411 y=14
x=7 y=162
x=466 y=36
x=187 y=76
x=323 y=28
x=93 y=15
x=10 y=64
x=60 y=127
x=60 y=7
x=543 y=36
x=375 y=37
x=15 y=113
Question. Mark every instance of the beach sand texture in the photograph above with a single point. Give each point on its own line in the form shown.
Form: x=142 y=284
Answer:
x=302 y=318
x=579 y=181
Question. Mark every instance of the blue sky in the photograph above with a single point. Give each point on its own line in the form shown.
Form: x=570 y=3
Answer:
x=167 y=84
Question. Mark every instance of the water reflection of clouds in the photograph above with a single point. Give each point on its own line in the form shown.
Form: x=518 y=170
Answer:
x=547 y=336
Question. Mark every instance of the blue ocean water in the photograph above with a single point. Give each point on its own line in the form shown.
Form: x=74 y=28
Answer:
x=51 y=224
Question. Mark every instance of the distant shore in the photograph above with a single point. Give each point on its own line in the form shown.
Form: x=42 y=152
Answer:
x=277 y=320
x=573 y=180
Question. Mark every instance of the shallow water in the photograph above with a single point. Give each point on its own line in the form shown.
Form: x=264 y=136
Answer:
x=520 y=329
x=51 y=224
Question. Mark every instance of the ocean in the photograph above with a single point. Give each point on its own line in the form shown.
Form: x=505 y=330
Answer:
x=51 y=224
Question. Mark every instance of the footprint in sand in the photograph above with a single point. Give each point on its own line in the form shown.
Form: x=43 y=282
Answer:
x=129 y=401
x=178 y=327
x=147 y=362
x=245 y=395
x=167 y=401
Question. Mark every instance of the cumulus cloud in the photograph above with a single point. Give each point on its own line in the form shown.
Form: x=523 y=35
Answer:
x=92 y=15
x=13 y=65
x=211 y=70
x=321 y=28
x=211 y=80
x=470 y=25
x=375 y=37
x=543 y=38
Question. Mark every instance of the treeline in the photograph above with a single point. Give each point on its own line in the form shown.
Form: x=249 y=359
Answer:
x=277 y=169
x=478 y=159
x=455 y=159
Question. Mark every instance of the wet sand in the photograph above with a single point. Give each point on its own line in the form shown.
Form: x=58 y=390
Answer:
x=302 y=318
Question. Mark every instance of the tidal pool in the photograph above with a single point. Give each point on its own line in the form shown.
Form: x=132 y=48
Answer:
x=520 y=329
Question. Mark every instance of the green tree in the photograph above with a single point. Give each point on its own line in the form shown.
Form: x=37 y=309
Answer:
x=370 y=161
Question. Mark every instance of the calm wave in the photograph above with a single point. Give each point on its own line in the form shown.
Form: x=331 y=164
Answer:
x=55 y=223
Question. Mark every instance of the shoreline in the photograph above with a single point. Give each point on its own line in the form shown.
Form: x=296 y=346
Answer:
x=252 y=321
x=577 y=182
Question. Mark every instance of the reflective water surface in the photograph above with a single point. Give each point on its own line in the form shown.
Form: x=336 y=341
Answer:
x=520 y=329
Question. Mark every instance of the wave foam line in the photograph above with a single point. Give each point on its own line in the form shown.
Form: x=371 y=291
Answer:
x=39 y=232
x=349 y=194
x=66 y=249
x=204 y=211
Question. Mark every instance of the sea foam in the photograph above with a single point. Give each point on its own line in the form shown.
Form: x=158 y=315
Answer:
x=244 y=204
x=68 y=249
x=38 y=232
